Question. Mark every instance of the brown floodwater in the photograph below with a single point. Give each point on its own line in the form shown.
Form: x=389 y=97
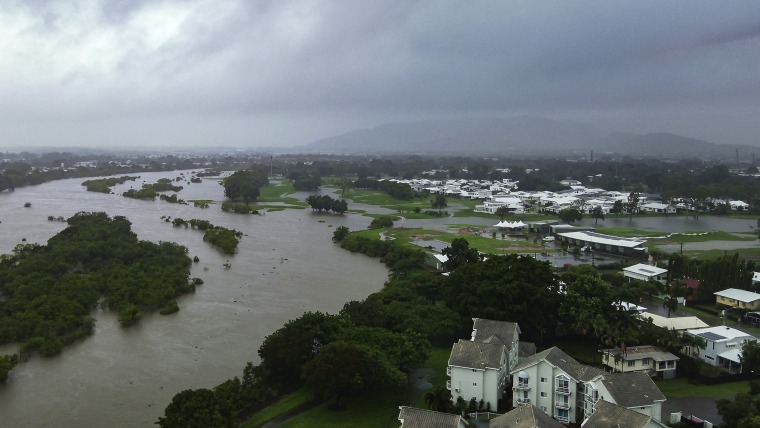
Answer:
x=286 y=265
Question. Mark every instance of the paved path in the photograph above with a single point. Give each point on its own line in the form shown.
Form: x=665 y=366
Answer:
x=701 y=407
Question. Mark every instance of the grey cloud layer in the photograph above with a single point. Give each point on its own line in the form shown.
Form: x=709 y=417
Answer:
x=286 y=72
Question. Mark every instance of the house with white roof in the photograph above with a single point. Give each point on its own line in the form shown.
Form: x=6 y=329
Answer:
x=673 y=323
x=723 y=346
x=645 y=272
x=479 y=368
x=736 y=298
x=601 y=242
x=658 y=207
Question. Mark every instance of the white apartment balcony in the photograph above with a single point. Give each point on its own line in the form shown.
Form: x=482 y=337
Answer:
x=562 y=404
x=521 y=400
x=564 y=390
x=521 y=387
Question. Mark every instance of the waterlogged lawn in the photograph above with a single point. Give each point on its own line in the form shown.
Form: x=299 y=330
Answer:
x=285 y=404
x=626 y=232
x=706 y=237
x=744 y=253
x=483 y=244
x=681 y=388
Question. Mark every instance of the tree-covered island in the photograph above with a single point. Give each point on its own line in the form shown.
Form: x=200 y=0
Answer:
x=47 y=292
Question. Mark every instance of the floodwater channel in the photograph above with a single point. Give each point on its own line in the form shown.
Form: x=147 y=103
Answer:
x=125 y=377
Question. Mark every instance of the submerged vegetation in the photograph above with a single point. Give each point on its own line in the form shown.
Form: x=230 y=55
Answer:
x=103 y=185
x=150 y=191
x=48 y=291
x=225 y=239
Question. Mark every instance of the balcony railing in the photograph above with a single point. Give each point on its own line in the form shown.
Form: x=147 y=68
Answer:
x=521 y=387
x=448 y=385
x=563 y=419
x=562 y=404
x=523 y=400
x=448 y=370
x=564 y=390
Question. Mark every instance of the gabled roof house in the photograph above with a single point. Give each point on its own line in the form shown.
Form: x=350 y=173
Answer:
x=569 y=391
x=479 y=368
x=609 y=415
x=411 y=417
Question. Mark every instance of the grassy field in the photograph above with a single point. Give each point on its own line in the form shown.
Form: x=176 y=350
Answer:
x=681 y=388
x=744 y=253
x=285 y=404
x=483 y=244
x=626 y=232
x=705 y=237
x=278 y=191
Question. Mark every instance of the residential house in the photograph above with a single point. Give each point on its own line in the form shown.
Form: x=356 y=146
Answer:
x=552 y=381
x=528 y=416
x=673 y=323
x=647 y=359
x=635 y=391
x=645 y=272
x=411 y=417
x=608 y=415
x=736 y=298
x=658 y=207
x=479 y=368
x=568 y=390
x=723 y=346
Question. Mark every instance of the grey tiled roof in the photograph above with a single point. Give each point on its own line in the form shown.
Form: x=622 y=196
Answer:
x=632 y=389
x=528 y=416
x=476 y=355
x=491 y=331
x=610 y=415
x=566 y=363
x=411 y=417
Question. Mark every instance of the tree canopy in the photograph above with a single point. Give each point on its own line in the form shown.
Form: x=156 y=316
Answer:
x=245 y=184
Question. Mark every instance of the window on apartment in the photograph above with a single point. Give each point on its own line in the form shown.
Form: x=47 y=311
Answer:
x=544 y=409
x=543 y=394
x=632 y=363
x=543 y=380
x=671 y=364
x=474 y=384
x=645 y=361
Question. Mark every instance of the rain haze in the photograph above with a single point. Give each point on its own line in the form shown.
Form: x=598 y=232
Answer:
x=184 y=73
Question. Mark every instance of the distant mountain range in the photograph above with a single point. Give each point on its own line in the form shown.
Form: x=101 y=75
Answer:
x=523 y=135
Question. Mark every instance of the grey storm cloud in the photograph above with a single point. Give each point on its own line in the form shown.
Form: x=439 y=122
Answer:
x=188 y=72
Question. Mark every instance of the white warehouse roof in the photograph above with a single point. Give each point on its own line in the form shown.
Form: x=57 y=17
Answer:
x=737 y=294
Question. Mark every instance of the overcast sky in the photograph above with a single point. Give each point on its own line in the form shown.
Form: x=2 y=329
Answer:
x=284 y=73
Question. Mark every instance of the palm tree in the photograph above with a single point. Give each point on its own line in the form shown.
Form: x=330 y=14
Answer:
x=597 y=213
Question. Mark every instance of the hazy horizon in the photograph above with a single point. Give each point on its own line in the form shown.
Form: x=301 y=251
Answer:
x=176 y=73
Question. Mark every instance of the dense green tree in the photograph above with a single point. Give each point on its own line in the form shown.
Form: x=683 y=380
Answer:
x=750 y=357
x=344 y=369
x=6 y=364
x=458 y=253
x=198 y=408
x=284 y=352
x=340 y=233
x=570 y=215
x=381 y=222
x=439 y=202
x=740 y=412
x=245 y=185
x=617 y=207
x=726 y=272
x=502 y=212
x=510 y=287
